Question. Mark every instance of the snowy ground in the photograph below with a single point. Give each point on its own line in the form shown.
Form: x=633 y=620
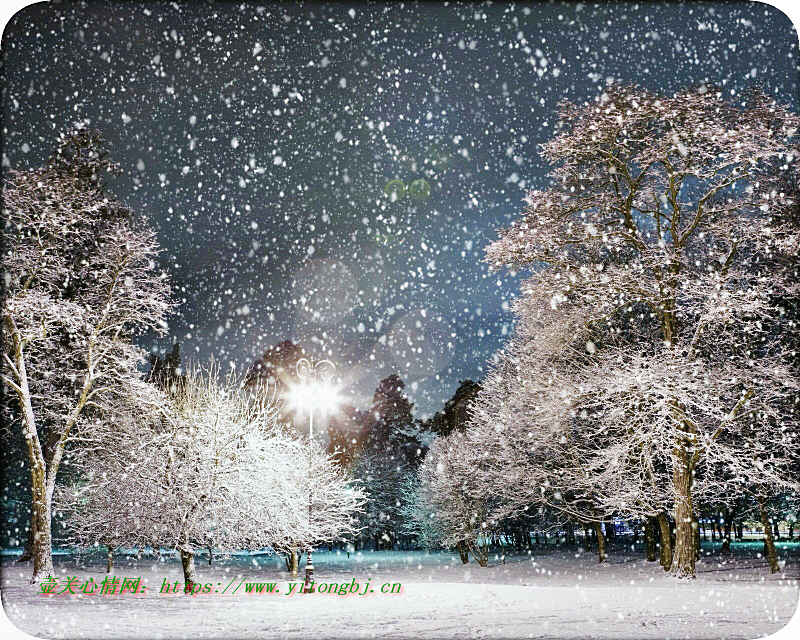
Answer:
x=554 y=593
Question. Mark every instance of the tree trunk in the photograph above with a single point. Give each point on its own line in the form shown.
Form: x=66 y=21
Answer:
x=293 y=564
x=43 y=470
x=665 y=556
x=110 y=559
x=696 y=538
x=42 y=541
x=40 y=496
x=463 y=552
x=601 y=543
x=649 y=540
x=27 y=550
x=683 y=554
x=189 y=573
x=210 y=556
x=726 y=536
x=480 y=551
x=769 y=541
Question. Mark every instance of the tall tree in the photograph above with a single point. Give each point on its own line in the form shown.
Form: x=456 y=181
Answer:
x=79 y=281
x=657 y=235
x=392 y=431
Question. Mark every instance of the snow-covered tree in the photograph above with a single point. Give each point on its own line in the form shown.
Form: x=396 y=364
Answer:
x=388 y=451
x=657 y=242
x=213 y=469
x=79 y=279
x=109 y=497
x=337 y=500
x=454 y=497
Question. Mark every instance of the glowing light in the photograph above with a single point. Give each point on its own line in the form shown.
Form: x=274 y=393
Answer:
x=314 y=392
x=315 y=397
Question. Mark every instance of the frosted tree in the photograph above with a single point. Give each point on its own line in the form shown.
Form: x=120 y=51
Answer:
x=213 y=469
x=79 y=280
x=111 y=498
x=418 y=521
x=336 y=500
x=454 y=498
x=658 y=236
x=543 y=466
x=178 y=478
x=388 y=450
x=213 y=449
x=313 y=501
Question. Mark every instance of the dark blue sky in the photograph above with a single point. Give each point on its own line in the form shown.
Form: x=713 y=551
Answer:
x=259 y=140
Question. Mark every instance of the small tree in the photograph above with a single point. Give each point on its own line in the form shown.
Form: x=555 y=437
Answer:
x=212 y=469
x=453 y=495
x=110 y=499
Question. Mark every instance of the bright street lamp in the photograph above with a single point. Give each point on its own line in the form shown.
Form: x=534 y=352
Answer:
x=313 y=396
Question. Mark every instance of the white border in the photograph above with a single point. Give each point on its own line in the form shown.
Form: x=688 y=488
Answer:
x=791 y=8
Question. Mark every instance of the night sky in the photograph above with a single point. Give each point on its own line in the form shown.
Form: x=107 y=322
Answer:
x=259 y=139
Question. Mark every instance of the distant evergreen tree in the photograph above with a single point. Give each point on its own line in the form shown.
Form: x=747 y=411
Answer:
x=344 y=435
x=276 y=370
x=455 y=414
x=392 y=429
x=389 y=452
x=167 y=370
x=277 y=365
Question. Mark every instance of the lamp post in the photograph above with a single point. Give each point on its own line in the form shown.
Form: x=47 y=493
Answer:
x=310 y=370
